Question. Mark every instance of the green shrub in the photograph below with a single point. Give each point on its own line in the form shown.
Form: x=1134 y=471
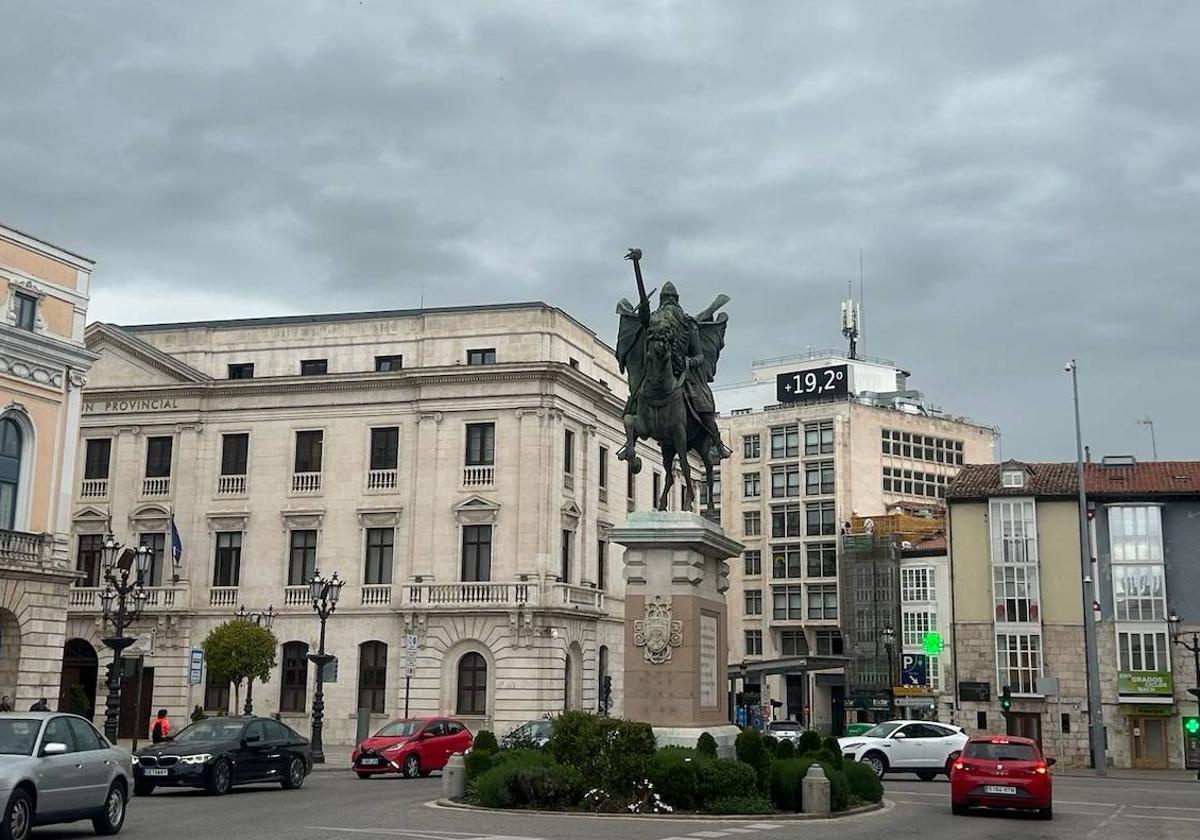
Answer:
x=706 y=746
x=834 y=749
x=491 y=788
x=862 y=782
x=740 y=805
x=785 y=750
x=786 y=776
x=608 y=752
x=724 y=778
x=809 y=742
x=839 y=789
x=672 y=771
x=485 y=742
x=477 y=763
x=516 y=785
x=751 y=750
x=521 y=758
x=770 y=742
x=573 y=732
x=834 y=759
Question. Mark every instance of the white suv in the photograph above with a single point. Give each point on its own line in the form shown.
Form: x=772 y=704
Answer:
x=905 y=746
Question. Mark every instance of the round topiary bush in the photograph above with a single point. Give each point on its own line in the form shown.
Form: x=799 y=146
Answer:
x=706 y=746
x=862 y=782
x=724 y=778
x=785 y=750
x=485 y=742
x=835 y=750
x=751 y=750
x=809 y=742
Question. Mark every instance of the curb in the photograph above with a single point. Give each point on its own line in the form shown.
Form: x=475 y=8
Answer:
x=784 y=817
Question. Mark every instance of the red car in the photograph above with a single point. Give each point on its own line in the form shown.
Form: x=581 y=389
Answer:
x=414 y=747
x=1001 y=771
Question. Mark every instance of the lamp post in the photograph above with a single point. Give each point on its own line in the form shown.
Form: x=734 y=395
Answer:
x=1194 y=649
x=262 y=619
x=324 y=592
x=122 y=602
x=1095 y=710
x=889 y=645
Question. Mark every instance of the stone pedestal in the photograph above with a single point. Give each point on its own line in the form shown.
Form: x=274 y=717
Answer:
x=676 y=638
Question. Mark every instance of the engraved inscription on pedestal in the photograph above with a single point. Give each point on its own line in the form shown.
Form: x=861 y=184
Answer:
x=657 y=633
x=709 y=683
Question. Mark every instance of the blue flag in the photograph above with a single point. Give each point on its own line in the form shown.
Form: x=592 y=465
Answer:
x=176 y=546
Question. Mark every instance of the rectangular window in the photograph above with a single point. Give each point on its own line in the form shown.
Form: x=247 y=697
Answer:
x=785 y=481
x=1015 y=592
x=602 y=564
x=314 y=367
x=309 y=447
x=380 y=543
x=484 y=356
x=1018 y=661
x=216 y=695
x=753 y=602
x=157 y=544
x=752 y=523
x=1135 y=533
x=785 y=442
x=385 y=448
x=302 y=557
x=244 y=370
x=1066 y=723
x=1014 y=531
x=387 y=364
x=751 y=447
x=481 y=444
x=753 y=643
x=751 y=485
x=786 y=561
x=293 y=691
x=916 y=585
x=630 y=489
x=793 y=643
x=818 y=478
x=915 y=625
x=603 y=471
x=822 y=600
x=822 y=521
x=822 y=560
x=227 y=565
x=1143 y=652
x=818 y=438
x=26 y=312
x=568 y=452
x=372 y=676
x=716 y=493
x=656 y=487
x=1139 y=593
x=158 y=456
x=829 y=643
x=752 y=562
x=235 y=451
x=787 y=603
x=477 y=552
x=568 y=555
x=785 y=521
x=87 y=558
x=96 y=461
x=981 y=721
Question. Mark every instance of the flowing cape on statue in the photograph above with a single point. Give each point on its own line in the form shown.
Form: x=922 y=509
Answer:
x=631 y=346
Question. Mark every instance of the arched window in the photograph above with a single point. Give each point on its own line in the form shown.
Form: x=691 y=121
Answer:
x=602 y=673
x=472 y=685
x=372 y=676
x=294 y=682
x=11 y=442
x=567 y=682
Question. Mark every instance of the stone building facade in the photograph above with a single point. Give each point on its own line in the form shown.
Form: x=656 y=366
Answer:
x=44 y=293
x=457 y=467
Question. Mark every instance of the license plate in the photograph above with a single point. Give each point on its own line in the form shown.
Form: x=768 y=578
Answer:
x=1003 y=790
x=370 y=762
x=155 y=771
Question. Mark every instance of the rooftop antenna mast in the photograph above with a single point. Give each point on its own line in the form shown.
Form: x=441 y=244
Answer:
x=850 y=320
x=1148 y=423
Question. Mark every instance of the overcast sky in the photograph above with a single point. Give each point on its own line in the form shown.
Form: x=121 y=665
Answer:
x=1023 y=179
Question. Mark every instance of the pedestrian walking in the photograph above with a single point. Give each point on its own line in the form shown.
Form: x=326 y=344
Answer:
x=5 y=704
x=162 y=728
x=40 y=706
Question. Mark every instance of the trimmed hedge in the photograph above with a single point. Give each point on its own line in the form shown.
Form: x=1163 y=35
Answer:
x=485 y=742
x=784 y=750
x=751 y=750
x=809 y=742
x=706 y=745
x=786 y=776
x=740 y=805
x=514 y=785
x=835 y=750
x=862 y=782
x=725 y=778
x=609 y=753
x=672 y=771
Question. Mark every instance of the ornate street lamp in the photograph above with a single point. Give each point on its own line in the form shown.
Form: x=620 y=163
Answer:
x=1193 y=648
x=888 y=637
x=122 y=601
x=324 y=592
x=262 y=619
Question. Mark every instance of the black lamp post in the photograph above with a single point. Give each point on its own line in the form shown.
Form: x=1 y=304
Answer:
x=262 y=619
x=1193 y=648
x=324 y=592
x=888 y=635
x=122 y=602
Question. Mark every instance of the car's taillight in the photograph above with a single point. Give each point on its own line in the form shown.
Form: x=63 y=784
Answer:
x=1040 y=769
x=958 y=765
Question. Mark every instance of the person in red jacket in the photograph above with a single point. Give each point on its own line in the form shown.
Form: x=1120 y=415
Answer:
x=162 y=728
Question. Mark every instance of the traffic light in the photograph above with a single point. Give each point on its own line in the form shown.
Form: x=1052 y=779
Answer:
x=1005 y=699
x=1191 y=725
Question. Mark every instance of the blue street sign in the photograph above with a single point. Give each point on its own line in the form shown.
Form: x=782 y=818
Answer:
x=196 y=669
x=913 y=669
x=741 y=716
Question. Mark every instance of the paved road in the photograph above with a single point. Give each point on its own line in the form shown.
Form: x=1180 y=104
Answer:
x=333 y=806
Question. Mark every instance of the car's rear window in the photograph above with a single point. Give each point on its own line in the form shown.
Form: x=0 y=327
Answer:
x=1000 y=752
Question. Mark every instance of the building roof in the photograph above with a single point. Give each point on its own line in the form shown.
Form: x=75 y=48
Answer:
x=929 y=545
x=1152 y=478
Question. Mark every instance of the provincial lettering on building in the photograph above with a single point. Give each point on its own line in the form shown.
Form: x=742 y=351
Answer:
x=131 y=405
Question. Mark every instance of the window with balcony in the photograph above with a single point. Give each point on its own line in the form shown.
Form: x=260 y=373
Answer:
x=243 y=370
x=477 y=553
x=472 y=685
x=96 y=464
x=227 y=565
x=1019 y=661
x=785 y=481
x=818 y=478
x=387 y=364
x=480 y=456
x=821 y=519
x=829 y=643
x=157 y=543
x=26 y=311
x=314 y=367
x=752 y=562
x=483 y=356
x=603 y=473
x=11 y=446
x=1143 y=652
x=87 y=558
x=235 y=452
x=787 y=603
x=568 y=555
x=385 y=458
x=916 y=585
x=1135 y=533
x=372 y=676
x=751 y=485
x=818 y=438
x=753 y=642
x=793 y=643
x=379 y=555
x=293 y=691
x=785 y=521
x=302 y=557
x=751 y=447
x=785 y=442
x=822 y=601
x=822 y=560
x=754 y=602
x=786 y=561
x=158 y=457
x=752 y=523
x=306 y=475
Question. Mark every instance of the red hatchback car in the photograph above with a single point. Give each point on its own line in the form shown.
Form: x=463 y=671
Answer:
x=414 y=747
x=1001 y=771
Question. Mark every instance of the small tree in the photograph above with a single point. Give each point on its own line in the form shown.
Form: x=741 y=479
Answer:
x=240 y=650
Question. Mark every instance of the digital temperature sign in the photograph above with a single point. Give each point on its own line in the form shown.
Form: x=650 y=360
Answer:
x=814 y=384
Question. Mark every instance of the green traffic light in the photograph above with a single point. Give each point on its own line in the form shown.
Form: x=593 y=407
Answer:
x=1191 y=725
x=932 y=643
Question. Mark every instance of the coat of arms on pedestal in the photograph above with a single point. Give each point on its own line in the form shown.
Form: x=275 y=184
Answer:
x=658 y=632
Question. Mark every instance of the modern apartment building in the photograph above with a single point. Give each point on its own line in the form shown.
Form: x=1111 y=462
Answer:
x=818 y=438
x=455 y=466
x=1018 y=607
x=43 y=364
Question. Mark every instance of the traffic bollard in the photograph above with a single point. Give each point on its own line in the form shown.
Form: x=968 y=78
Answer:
x=454 y=778
x=814 y=792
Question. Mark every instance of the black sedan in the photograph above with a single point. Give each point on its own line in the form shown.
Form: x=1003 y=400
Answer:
x=218 y=753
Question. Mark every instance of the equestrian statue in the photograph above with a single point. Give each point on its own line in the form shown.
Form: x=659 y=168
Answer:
x=671 y=357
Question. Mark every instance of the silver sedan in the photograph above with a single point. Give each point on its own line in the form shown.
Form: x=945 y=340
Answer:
x=57 y=768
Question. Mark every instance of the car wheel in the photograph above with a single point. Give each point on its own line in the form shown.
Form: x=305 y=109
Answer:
x=18 y=816
x=142 y=788
x=220 y=778
x=362 y=775
x=294 y=780
x=110 y=820
x=958 y=808
x=876 y=762
x=412 y=766
x=926 y=775
x=1046 y=813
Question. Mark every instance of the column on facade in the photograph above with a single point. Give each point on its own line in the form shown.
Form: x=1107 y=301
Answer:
x=425 y=497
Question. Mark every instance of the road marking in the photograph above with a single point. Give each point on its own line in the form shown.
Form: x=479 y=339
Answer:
x=707 y=835
x=733 y=830
x=765 y=826
x=1164 y=817
x=1165 y=808
x=1104 y=824
x=415 y=834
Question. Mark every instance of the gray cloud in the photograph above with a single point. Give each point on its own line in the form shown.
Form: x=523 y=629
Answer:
x=1023 y=181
